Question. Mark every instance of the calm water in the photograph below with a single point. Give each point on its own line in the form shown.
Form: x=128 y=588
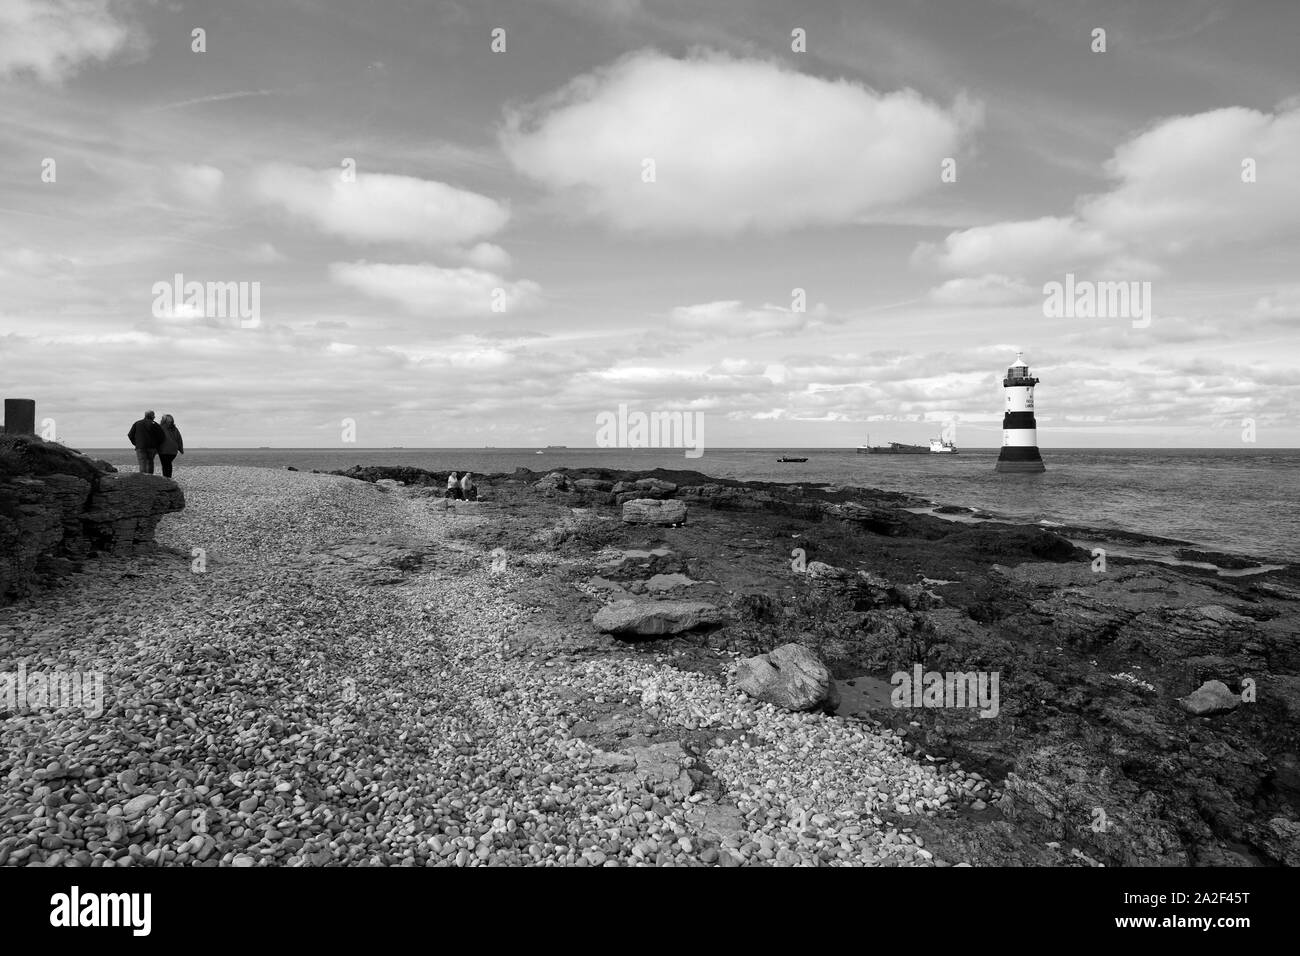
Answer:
x=1246 y=502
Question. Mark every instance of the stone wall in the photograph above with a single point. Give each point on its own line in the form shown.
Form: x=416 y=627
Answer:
x=58 y=506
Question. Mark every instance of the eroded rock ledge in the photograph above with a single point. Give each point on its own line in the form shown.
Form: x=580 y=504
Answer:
x=58 y=506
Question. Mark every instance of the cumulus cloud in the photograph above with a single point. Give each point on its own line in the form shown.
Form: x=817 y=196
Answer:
x=426 y=289
x=1023 y=247
x=991 y=289
x=737 y=144
x=1179 y=184
x=1182 y=181
x=53 y=39
x=380 y=207
x=485 y=255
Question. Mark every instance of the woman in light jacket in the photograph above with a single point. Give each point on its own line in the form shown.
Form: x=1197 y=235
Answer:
x=172 y=445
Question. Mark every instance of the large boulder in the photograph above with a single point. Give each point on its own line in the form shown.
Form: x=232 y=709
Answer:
x=555 y=481
x=655 y=618
x=1212 y=697
x=625 y=491
x=654 y=511
x=792 y=677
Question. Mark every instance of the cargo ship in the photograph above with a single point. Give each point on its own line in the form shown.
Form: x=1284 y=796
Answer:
x=937 y=446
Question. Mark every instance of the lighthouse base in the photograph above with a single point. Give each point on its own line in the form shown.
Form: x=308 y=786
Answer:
x=1023 y=467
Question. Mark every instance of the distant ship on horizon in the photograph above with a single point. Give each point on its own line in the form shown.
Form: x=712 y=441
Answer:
x=937 y=446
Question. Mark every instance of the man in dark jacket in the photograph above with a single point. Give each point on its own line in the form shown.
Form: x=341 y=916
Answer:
x=146 y=435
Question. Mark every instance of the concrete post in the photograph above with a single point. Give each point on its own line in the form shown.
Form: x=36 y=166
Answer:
x=20 y=416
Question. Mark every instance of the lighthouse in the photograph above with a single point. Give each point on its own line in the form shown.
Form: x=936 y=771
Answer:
x=1019 y=431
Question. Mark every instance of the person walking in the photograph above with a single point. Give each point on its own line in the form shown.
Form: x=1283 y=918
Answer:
x=453 y=486
x=146 y=435
x=171 y=445
x=467 y=489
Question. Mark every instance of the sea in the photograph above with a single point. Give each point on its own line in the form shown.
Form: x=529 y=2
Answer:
x=1235 y=501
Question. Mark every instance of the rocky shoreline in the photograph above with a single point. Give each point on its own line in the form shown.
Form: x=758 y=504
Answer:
x=364 y=673
x=1094 y=743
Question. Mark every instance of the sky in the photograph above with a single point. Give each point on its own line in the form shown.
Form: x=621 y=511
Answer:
x=488 y=223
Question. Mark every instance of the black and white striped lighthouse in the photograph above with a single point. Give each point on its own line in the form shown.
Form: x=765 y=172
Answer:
x=1019 y=430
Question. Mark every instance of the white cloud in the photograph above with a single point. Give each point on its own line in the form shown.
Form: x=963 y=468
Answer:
x=379 y=207
x=1024 y=247
x=990 y=289
x=1179 y=185
x=52 y=39
x=426 y=289
x=738 y=366
x=737 y=144
x=485 y=255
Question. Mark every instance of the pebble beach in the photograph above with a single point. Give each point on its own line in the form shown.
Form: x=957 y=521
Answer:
x=282 y=690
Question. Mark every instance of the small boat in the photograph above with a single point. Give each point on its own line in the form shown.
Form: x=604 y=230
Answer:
x=539 y=452
x=788 y=458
